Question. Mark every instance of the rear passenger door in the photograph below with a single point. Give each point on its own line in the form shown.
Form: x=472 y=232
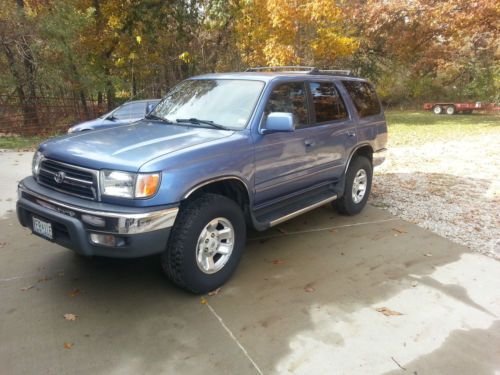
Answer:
x=334 y=129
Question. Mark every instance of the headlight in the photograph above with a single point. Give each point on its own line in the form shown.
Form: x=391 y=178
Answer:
x=71 y=130
x=129 y=185
x=35 y=164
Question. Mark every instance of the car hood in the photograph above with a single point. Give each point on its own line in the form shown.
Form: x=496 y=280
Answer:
x=127 y=147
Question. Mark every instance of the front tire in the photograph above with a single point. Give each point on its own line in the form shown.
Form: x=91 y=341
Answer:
x=358 y=185
x=205 y=244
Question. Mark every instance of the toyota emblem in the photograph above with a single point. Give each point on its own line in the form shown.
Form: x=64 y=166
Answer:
x=59 y=177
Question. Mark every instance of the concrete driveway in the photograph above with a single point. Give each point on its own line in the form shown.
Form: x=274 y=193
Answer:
x=309 y=297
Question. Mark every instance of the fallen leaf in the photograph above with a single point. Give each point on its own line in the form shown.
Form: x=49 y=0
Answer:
x=414 y=284
x=2 y=244
x=333 y=231
x=277 y=261
x=203 y=301
x=74 y=293
x=427 y=255
x=71 y=317
x=214 y=292
x=27 y=288
x=68 y=345
x=309 y=289
x=387 y=312
x=399 y=230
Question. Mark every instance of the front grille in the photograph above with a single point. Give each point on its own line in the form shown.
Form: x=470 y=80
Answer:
x=69 y=179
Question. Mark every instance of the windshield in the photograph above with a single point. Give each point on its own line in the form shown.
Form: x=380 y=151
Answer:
x=227 y=102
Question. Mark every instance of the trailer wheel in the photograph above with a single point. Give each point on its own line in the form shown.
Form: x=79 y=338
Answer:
x=437 y=110
x=450 y=110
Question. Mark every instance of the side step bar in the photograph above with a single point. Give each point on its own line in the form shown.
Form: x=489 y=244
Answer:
x=302 y=210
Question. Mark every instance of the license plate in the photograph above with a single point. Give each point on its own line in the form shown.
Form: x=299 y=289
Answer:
x=42 y=228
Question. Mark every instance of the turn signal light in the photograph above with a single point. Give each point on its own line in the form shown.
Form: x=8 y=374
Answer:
x=147 y=185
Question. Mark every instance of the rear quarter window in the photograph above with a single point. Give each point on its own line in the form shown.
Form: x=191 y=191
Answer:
x=364 y=97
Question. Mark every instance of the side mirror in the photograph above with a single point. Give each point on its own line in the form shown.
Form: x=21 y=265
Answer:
x=150 y=107
x=279 y=122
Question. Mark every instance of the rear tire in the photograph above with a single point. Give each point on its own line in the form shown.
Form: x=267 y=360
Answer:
x=208 y=218
x=437 y=110
x=358 y=185
x=450 y=110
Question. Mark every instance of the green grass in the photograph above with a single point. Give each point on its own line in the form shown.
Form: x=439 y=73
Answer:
x=19 y=143
x=406 y=128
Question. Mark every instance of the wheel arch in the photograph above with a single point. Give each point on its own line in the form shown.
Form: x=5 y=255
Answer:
x=232 y=187
x=365 y=150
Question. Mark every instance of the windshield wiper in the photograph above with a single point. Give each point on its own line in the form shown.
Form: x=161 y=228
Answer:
x=197 y=121
x=151 y=116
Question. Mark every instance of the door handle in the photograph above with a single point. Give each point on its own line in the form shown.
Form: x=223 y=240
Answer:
x=309 y=143
x=351 y=133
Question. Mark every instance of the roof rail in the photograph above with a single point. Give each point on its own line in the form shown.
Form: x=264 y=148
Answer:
x=297 y=69
x=301 y=69
x=336 y=72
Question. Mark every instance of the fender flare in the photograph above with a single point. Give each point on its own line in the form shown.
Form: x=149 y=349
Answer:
x=353 y=151
x=217 y=179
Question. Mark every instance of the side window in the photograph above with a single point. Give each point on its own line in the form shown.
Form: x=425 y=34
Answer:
x=290 y=97
x=328 y=104
x=364 y=97
x=131 y=110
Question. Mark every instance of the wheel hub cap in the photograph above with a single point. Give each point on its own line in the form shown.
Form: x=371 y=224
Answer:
x=215 y=245
x=359 y=186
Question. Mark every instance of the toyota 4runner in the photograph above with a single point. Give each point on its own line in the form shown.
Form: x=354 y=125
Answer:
x=220 y=153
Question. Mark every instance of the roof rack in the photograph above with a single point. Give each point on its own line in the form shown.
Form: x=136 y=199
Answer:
x=336 y=72
x=301 y=69
x=295 y=69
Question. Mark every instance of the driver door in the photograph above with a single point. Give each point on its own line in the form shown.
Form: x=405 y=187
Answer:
x=284 y=159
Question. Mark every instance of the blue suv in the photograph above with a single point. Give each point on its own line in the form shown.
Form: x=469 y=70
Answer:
x=220 y=153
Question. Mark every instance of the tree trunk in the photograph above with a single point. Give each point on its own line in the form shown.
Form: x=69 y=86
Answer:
x=110 y=90
x=30 y=113
x=30 y=120
x=100 y=104
x=134 y=83
x=77 y=80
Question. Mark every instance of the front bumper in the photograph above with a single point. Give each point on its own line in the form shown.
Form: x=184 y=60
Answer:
x=139 y=231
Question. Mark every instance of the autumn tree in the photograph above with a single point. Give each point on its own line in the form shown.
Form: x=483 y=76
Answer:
x=427 y=48
x=291 y=32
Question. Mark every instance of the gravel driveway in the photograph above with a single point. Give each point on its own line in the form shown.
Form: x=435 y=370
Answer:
x=449 y=187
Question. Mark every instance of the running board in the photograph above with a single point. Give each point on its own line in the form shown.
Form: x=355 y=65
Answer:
x=301 y=211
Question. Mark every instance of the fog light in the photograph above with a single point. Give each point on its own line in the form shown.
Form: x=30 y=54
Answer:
x=94 y=220
x=106 y=239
